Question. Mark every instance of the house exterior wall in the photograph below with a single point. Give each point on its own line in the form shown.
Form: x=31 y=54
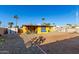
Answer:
x=47 y=30
x=24 y=29
x=38 y=29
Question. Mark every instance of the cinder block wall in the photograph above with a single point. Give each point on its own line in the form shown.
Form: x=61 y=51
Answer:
x=3 y=31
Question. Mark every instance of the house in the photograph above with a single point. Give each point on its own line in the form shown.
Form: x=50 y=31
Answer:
x=38 y=29
x=8 y=31
x=12 y=30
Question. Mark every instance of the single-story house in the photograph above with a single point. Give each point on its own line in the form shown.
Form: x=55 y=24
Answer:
x=12 y=30
x=38 y=29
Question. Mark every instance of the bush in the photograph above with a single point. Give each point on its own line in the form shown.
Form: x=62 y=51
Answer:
x=1 y=40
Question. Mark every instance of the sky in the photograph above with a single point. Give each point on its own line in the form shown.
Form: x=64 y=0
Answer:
x=32 y=14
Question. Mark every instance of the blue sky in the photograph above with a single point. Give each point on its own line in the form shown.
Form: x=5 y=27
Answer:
x=59 y=14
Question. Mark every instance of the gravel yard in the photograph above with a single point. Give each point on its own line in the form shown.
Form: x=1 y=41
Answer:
x=55 y=43
x=61 y=43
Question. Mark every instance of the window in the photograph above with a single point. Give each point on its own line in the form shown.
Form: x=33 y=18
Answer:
x=43 y=29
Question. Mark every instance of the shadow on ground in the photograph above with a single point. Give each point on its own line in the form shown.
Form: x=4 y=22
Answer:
x=66 y=46
x=14 y=44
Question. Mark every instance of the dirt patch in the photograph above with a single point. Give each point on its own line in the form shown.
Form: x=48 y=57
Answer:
x=57 y=43
x=53 y=37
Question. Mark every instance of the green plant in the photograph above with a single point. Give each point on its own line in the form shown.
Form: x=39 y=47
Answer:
x=2 y=40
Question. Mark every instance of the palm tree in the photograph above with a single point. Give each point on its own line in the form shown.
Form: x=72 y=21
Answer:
x=43 y=19
x=10 y=24
x=16 y=17
x=0 y=23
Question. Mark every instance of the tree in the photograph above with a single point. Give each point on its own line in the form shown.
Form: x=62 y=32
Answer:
x=10 y=24
x=54 y=24
x=48 y=24
x=16 y=26
x=69 y=25
x=43 y=19
x=0 y=23
x=16 y=17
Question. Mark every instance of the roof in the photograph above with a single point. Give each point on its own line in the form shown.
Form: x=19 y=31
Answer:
x=39 y=25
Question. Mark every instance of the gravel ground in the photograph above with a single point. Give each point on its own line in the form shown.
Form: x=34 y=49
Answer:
x=55 y=43
x=14 y=44
x=63 y=43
